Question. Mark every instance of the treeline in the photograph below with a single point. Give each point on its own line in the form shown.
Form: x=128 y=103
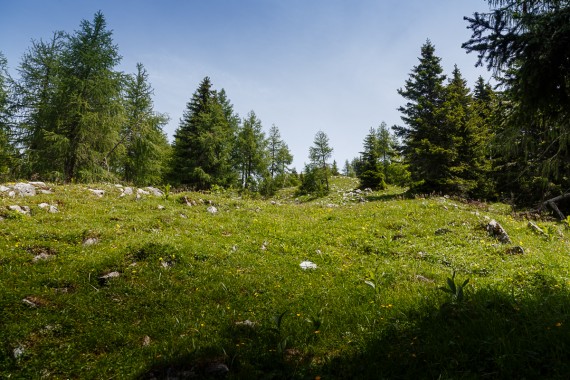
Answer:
x=71 y=116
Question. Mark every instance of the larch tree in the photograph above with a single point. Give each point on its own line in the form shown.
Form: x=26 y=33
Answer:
x=6 y=148
x=143 y=142
x=252 y=152
x=92 y=113
x=316 y=174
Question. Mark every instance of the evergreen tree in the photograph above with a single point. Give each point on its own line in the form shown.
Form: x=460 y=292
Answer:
x=6 y=149
x=40 y=100
x=371 y=174
x=347 y=169
x=386 y=150
x=91 y=113
x=334 y=169
x=425 y=140
x=252 y=152
x=319 y=154
x=280 y=157
x=526 y=44
x=144 y=143
x=203 y=143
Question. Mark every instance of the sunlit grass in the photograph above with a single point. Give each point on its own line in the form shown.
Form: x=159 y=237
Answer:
x=197 y=289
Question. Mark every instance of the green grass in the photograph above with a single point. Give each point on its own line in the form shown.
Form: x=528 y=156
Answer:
x=189 y=280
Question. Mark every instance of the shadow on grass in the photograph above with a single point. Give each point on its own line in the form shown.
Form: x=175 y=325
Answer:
x=490 y=335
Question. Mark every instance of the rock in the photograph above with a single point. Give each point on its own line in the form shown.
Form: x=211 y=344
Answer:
x=53 y=209
x=12 y=194
x=3 y=189
x=128 y=191
x=497 y=231
x=142 y=192
x=18 y=351
x=39 y=185
x=161 y=207
x=90 y=241
x=154 y=191
x=42 y=191
x=421 y=278
x=24 y=189
x=516 y=250
x=146 y=341
x=217 y=370
x=103 y=280
x=34 y=302
x=536 y=228
x=42 y=257
x=212 y=210
x=98 y=192
x=43 y=206
x=21 y=209
x=246 y=323
x=118 y=186
x=308 y=265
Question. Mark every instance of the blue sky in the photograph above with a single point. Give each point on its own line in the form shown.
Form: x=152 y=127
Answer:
x=303 y=65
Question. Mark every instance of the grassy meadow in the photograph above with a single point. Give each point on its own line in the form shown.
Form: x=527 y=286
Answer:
x=195 y=294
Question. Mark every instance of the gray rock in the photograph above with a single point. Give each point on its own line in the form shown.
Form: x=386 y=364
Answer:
x=154 y=191
x=43 y=206
x=42 y=257
x=4 y=189
x=161 y=207
x=21 y=209
x=43 y=191
x=497 y=231
x=98 y=192
x=142 y=192
x=90 y=241
x=128 y=191
x=12 y=194
x=24 y=189
x=212 y=210
x=53 y=209
x=39 y=185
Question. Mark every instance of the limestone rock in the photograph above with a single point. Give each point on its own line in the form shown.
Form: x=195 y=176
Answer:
x=43 y=206
x=212 y=210
x=4 y=189
x=21 y=209
x=308 y=265
x=154 y=191
x=90 y=241
x=98 y=192
x=24 y=189
x=497 y=231
x=142 y=192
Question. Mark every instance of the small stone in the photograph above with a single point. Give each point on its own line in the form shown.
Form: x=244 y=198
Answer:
x=98 y=192
x=128 y=191
x=3 y=189
x=12 y=194
x=421 y=278
x=20 y=209
x=42 y=191
x=142 y=192
x=53 y=209
x=212 y=210
x=18 y=351
x=42 y=257
x=105 y=278
x=90 y=241
x=246 y=323
x=516 y=250
x=43 y=206
x=308 y=265
x=38 y=184
x=146 y=341
x=161 y=207
x=496 y=230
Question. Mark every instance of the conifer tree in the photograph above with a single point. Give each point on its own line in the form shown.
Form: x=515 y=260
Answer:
x=144 y=143
x=6 y=149
x=203 y=143
x=425 y=140
x=252 y=152
x=371 y=174
x=90 y=89
x=319 y=154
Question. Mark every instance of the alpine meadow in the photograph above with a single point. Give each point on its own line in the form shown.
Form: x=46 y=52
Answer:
x=441 y=250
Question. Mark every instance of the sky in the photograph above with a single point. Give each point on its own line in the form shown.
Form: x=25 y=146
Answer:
x=303 y=65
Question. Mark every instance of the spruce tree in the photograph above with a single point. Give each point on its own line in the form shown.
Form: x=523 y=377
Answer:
x=371 y=174
x=425 y=140
x=203 y=143
x=319 y=154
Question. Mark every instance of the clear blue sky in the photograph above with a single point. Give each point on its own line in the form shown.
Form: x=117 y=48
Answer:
x=303 y=65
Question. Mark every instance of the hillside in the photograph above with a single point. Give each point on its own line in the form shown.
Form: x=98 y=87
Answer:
x=194 y=285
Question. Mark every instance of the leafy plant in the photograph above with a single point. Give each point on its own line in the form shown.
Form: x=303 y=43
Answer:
x=455 y=289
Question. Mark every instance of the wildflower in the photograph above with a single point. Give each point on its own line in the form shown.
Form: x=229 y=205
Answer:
x=558 y=324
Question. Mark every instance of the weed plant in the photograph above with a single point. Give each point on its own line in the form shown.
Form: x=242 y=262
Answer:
x=199 y=294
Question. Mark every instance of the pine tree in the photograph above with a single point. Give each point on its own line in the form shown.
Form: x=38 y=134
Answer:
x=425 y=140
x=386 y=150
x=203 y=143
x=280 y=157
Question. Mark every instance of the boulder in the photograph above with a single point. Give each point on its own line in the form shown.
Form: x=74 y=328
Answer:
x=212 y=210
x=497 y=231
x=154 y=191
x=20 y=209
x=4 y=189
x=25 y=189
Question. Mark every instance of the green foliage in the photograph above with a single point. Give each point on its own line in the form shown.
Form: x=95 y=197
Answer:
x=525 y=43
x=456 y=290
x=252 y=159
x=314 y=181
x=203 y=143
x=318 y=171
x=7 y=152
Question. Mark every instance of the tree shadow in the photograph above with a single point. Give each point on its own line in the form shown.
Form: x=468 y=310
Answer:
x=491 y=335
